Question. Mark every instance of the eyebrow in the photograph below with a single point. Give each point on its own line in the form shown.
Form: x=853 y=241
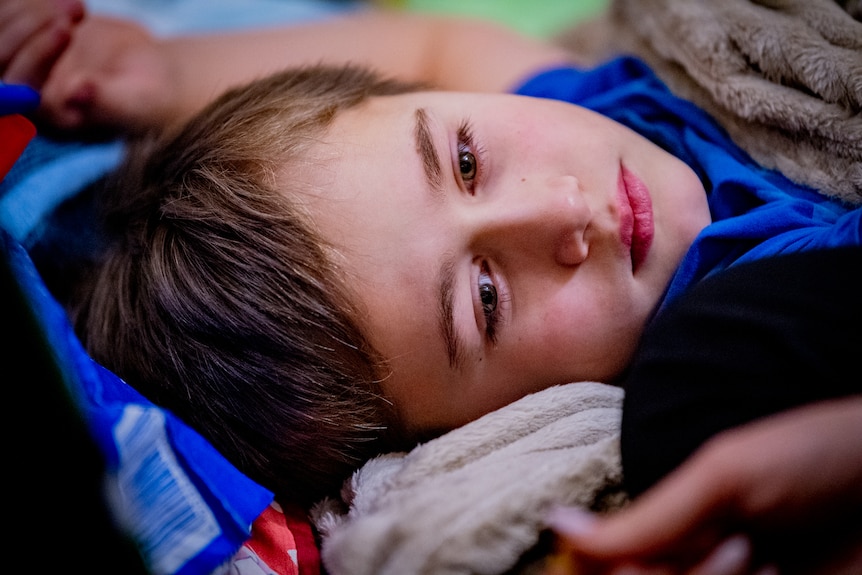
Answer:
x=427 y=152
x=446 y=276
x=446 y=289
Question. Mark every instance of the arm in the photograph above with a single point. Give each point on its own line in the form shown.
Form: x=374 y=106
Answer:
x=449 y=53
x=452 y=53
x=116 y=74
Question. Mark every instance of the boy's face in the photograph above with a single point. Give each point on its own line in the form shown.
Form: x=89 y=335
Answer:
x=499 y=244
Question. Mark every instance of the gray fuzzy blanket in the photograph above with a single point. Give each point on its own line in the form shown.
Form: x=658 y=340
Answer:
x=783 y=77
x=473 y=500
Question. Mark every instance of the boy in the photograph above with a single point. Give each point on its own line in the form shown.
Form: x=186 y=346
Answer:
x=324 y=264
x=438 y=315
x=432 y=271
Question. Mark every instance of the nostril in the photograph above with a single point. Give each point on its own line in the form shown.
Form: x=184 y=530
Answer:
x=574 y=217
x=572 y=247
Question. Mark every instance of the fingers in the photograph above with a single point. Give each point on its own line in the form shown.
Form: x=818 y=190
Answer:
x=676 y=516
x=111 y=78
x=33 y=35
x=731 y=557
x=782 y=480
x=34 y=61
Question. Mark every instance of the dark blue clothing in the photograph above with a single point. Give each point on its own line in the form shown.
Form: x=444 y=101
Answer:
x=750 y=341
x=756 y=212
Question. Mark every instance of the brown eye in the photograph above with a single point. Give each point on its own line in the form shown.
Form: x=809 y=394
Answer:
x=490 y=302
x=488 y=297
x=467 y=166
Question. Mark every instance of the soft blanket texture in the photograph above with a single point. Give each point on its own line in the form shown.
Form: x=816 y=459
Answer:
x=473 y=500
x=783 y=77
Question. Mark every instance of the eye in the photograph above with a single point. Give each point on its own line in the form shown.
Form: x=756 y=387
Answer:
x=489 y=300
x=487 y=294
x=467 y=166
x=470 y=157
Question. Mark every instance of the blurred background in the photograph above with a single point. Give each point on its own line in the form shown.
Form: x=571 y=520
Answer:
x=541 y=18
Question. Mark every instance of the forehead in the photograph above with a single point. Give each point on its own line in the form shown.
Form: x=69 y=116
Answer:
x=388 y=232
x=370 y=182
x=373 y=206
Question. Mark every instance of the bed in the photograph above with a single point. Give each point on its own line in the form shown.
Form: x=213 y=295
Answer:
x=98 y=458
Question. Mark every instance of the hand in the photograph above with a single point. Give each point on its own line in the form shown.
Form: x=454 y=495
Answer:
x=783 y=492
x=95 y=75
x=113 y=78
x=33 y=35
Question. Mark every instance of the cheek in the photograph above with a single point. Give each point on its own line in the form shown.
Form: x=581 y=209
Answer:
x=561 y=327
x=590 y=340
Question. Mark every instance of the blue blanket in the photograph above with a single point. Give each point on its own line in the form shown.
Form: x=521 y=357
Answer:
x=186 y=508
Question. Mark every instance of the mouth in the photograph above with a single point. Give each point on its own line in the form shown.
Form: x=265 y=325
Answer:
x=636 y=216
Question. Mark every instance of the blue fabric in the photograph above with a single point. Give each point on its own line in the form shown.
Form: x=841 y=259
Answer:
x=16 y=99
x=186 y=507
x=59 y=170
x=48 y=173
x=173 y=17
x=756 y=212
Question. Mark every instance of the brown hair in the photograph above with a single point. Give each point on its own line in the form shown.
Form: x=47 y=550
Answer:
x=219 y=301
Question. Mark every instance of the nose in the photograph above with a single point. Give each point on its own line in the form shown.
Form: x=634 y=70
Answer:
x=541 y=217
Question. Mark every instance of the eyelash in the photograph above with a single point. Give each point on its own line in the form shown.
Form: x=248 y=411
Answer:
x=467 y=144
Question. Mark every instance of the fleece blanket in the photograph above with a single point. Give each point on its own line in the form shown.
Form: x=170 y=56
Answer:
x=783 y=77
x=473 y=500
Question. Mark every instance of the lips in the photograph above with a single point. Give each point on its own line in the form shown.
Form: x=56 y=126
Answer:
x=636 y=216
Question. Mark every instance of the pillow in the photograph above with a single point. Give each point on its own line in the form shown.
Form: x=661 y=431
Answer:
x=186 y=508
